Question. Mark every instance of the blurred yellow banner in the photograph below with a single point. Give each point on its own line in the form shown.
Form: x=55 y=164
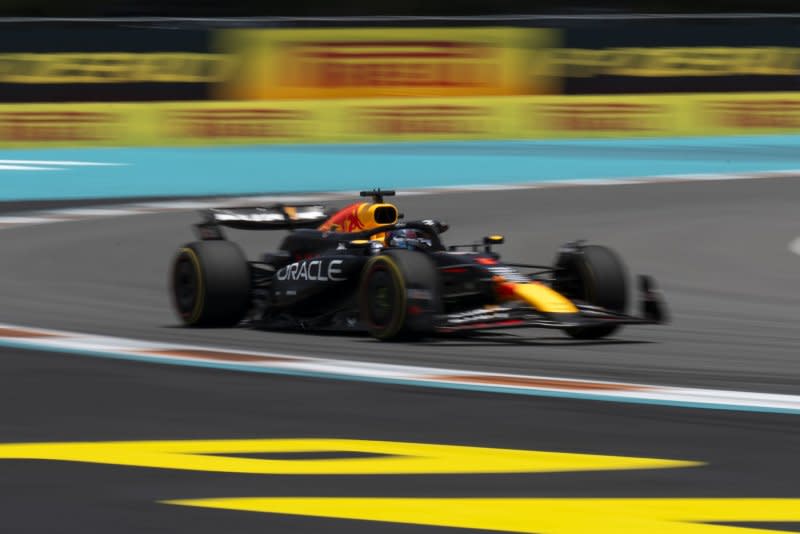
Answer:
x=674 y=61
x=113 y=67
x=723 y=114
x=602 y=116
x=422 y=119
x=60 y=124
x=240 y=122
x=631 y=116
x=397 y=119
x=383 y=62
x=160 y=124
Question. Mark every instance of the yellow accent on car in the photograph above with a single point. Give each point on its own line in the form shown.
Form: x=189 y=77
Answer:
x=543 y=298
x=374 y=215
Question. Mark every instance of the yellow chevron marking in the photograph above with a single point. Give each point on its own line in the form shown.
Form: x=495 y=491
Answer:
x=398 y=458
x=542 y=516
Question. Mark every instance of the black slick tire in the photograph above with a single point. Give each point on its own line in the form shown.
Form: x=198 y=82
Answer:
x=595 y=275
x=210 y=284
x=399 y=295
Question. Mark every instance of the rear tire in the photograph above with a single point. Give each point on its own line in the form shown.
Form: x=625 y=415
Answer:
x=211 y=284
x=399 y=295
x=594 y=275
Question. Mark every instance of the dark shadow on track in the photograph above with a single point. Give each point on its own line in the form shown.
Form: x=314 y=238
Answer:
x=490 y=339
x=464 y=339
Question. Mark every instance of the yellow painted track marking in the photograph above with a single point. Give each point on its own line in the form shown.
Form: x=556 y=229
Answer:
x=402 y=459
x=526 y=515
x=542 y=516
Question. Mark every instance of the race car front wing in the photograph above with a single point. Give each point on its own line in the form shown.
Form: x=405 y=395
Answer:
x=651 y=304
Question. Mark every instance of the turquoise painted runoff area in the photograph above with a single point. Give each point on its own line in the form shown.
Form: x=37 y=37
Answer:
x=69 y=173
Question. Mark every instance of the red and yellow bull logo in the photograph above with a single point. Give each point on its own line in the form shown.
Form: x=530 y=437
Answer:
x=361 y=216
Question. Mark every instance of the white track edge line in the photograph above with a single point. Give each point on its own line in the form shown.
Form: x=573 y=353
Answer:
x=158 y=352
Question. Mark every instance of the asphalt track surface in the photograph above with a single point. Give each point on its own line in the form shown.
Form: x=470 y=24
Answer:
x=50 y=397
x=719 y=250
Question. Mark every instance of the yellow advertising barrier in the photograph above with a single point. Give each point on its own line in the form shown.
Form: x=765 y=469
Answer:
x=423 y=119
x=114 y=67
x=383 y=62
x=161 y=124
x=397 y=119
x=70 y=125
x=734 y=114
x=663 y=62
x=669 y=115
x=601 y=116
x=242 y=122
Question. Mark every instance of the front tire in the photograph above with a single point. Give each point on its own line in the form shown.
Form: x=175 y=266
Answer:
x=399 y=295
x=210 y=284
x=594 y=275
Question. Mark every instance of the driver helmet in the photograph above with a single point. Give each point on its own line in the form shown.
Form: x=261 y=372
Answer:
x=407 y=238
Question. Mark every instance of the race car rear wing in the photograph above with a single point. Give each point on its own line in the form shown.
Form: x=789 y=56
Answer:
x=277 y=217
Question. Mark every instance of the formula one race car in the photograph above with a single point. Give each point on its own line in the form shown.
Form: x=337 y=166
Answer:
x=361 y=269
